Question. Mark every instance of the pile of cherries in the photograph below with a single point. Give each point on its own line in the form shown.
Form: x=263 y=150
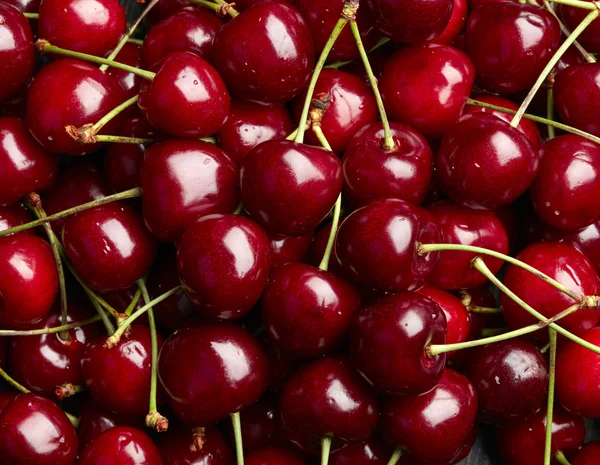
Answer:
x=268 y=232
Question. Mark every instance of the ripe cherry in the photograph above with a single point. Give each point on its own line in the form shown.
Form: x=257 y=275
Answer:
x=286 y=249
x=12 y=216
x=121 y=445
x=373 y=451
x=588 y=455
x=590 y=37
x=94 y=419
x=274 y=456
x=261 y=424
x=456 y=25
x=174 y=448
x=6 y=397
x=130 y=54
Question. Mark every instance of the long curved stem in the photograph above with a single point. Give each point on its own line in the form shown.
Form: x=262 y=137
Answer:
x=550 y=405
x=134 y=302
x=19 y=387
x=560 y=458
x=56 y=329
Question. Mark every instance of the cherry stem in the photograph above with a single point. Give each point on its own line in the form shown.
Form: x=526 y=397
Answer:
x=123 y=139
x=560 y=458
x=325 y=448
x=237 y=434
x=550 y=405
x=489 y=332
x=67 y=390
x=426 y=248
x=292 y=136
x=552 y=63
x=56 y=329
x=485 y=310
x=228 y=8
x=577 y=4
x=550 y=113
x=396 y=455
x=110 y=329
x=133 y=303
x=135 y=41
x=32 y=15
x=73 y=419
x=19 y=387
x=128 y=194
x=44 y=46
x=339 y=64
x=239 y=209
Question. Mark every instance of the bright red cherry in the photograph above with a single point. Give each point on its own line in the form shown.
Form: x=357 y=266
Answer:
x=174 y=448
x=121 y=445
x=183 y=180
x=373 y=452
x=377 y=245
x=261 y=424
x=35 y=430
x=280 y=60
x=388 y=342
x=130 y=54
x=588 y=455
x=590 y=37
x=286 y=249
x=289 y=188
x=94 y=419
x=456 y=25
x=274 y=456
x=426 y=87
x=210 y=371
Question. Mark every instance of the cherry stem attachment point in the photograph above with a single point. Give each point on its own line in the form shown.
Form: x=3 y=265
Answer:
x=67 y=390
x=396 y=455
x=226 y=8
x=560 y=458
x=237 y=434
x=325 y=448
x=550 y=407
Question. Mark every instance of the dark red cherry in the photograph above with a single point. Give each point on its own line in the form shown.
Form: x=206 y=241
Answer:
x=24 y=165
x=17 y=56
x=119 y=378
x=224 y=263
x=485 y=163
x=280 y=60
x=369 y=248
x=26 y=6
x=567 y=179
x=411 y=21
x=287 y=187
x=130 y=54
x=588 y=455
x=306 y=311
x=465 y=226
x=210 y=371
x=109 y=246
x=373 y=452
x=569 y=267
x=456 y=25
x=281 y=366
x=70 y=92
x=328 y=397
x=510 y=43
x=523 y=442
x=94 y=419
x=432 y=426
x=121 y=445
x=274 y=456
x=284 y=249
x=6 y=397
x=183 y=180
x=372 y=172
x=165 y=8
x=174 y=448
x=511 y=380
x=249 y=124
x=426 y=87
x=261 y=424
x=590 y=37
x=28 y=281
x=388 y=341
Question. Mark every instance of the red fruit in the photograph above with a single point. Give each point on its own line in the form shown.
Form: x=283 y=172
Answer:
x=286 y=249
x=455 y=26
x=590 y=37
x=121 y=445
x=373 y=451
x=94 y=419
x=12 y=216
x=174 y=448
x=588 y=455
x=274 y=456
x=261 y=424
x=130 y=54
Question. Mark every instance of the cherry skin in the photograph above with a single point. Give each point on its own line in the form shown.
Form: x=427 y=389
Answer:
x=590 y=37
x=6 y=397
x=17 y=55
x=174 y=448
x=426 y=87
x=28 y=281
x=281 y=58
x=274 y=456
x=456 y=25
x=121 y=445
x=261 y=424
x=286 y=249
x=485 y=163
x=368 y=250
x=306 y=311
x=373 y=451
x=130 y=54
x=565 y=264
x=588 y=455
x=372 y=172
x=94 y=419
x=210 y=371
x=24 y=165
x=287 y=187
x=70 y=92
x=462 y=225
x=223 y=263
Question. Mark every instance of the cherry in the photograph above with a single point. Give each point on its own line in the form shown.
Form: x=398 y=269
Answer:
x=121 y=445
x=35 y=430
x=373 y=451
x=24 y=166
x=186 y=98
x=17 y=56
x=165 y=8
x=588 y=455
x=119 y=378
x=286 y=249
x=590 y=37
x=174 y=448
x=224 y=263
x=94 y=419
x=369 y=250
x=351 y=106
x=70 y=92
x=456 y=25
x=462 y=225
x=280 y=60
x=306 y=311
x=372 y=172
x=26 y=6
x=274 y=456
x=28 y=281
x=287 y=187
x=261 y=424
x=130 y=54
x=570 y=268
x=210 y=371
x=426 y=87
x=485 y=163
x=281 y=366
x=6 y=397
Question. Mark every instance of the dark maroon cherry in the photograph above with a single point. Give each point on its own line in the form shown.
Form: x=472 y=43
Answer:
x=130 y=54
x=17 y=56
x=373 y=452
x=280 y=60
x=372 y=172
x=432 y=426
x=26 y=6
x=588 y=455
x=306 y=311
x=6 y=397
x=510 y=43
x=281 y=366
x=377 y=245
x=426 y=87
x=465 y=226
x=165 y=8
x=28 y=281
x=121 y=445
x=388 y=342
x=174 y=448
x=183 y=180
x=261 y=424
x=590 y=37
x=456 y=25
x=70 y=92
x=284 y=249
x=485 y=163
x=210 y=371
x=224 y=263
x=274 y=456
x=287 y=187
x=35 y=430
x=94 y=419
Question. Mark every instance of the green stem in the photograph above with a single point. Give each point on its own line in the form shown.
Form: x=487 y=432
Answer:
x=237 y=434
x=239 y=209
x=110 y=329
x=550 y=407
x=206 y=4
x=123 y=139
x=397 y=455
x=560 y=458
x=492 y=332
x=135 y=41
x=339 y=64
x=325 y=448
x=550 y=113
x=133 y=303
x=552 y=63
x=56 y=329
x=73 y=419
x=19 y=387
x=576 y=3
x=292 y=136
x=487 y=310
x=32 y=15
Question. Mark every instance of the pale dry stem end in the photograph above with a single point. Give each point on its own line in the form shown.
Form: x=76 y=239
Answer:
x=157 y=422
x=198 y=439
x=41 y=44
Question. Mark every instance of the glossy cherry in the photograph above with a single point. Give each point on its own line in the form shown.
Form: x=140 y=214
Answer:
x=6 y=397
x=130 y=54
x=287 y=187
x=456 y=25
x=94 y=419
x=183 y=180
x=261 y=424
x=35 y=430
x=590 y=37
x=588 y=455
x=274 y=456
x=121 y=445
x=174 y=448
x=373 y=452
x=426 y=87
x=286 y=249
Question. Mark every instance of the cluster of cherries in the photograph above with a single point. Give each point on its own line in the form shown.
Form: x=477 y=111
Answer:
x=220 y=222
